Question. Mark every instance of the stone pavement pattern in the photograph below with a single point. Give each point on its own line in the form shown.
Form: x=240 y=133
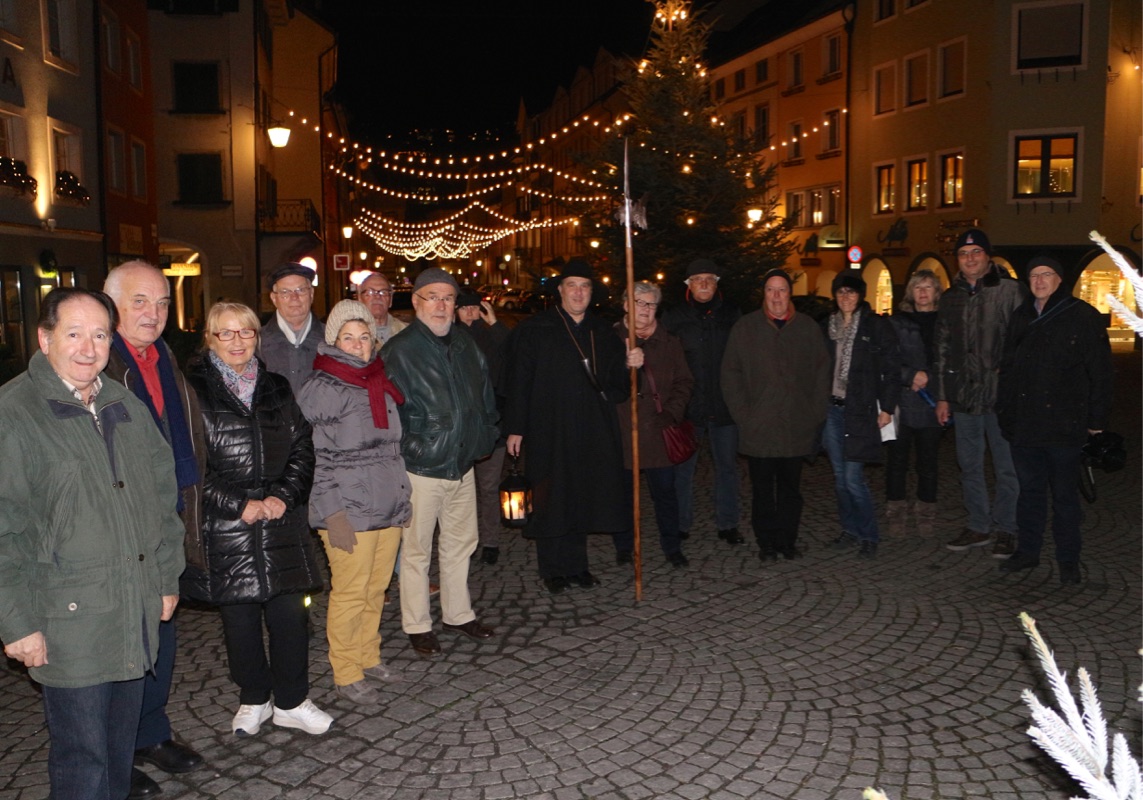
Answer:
x=731 y=679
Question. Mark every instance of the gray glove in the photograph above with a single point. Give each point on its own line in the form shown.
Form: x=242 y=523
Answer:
x=341 y=533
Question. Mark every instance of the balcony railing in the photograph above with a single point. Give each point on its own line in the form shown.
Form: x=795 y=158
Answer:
x=289 y=216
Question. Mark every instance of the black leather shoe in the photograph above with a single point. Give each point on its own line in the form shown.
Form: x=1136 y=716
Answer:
x=767 y=553
x=1069 y=573
x=678 y=560
x=170 y=756
x=624 y=557
x=585 y=580
x=731 y=536
x=1019 y=561
x=142 y=786
x=489 y=555
x=472 y=629
x=868 y=549
x=425 y=644
x=844 y=541
x=556 y=585
x=791 y=552
x=684 y=535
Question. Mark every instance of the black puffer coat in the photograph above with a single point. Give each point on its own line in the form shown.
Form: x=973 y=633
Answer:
x=255 y=454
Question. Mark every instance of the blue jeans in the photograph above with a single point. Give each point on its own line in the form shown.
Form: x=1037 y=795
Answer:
x=661 y=483
x=724 y=451
x=973 y=432
x=1041 y=469
x=92 y=735
x=854 y=500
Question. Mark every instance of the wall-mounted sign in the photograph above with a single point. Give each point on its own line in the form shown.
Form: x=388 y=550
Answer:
x=182 y=270
x=342 y=261
x=854 y=254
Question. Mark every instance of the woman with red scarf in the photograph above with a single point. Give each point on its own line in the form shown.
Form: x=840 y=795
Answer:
x=360 y=499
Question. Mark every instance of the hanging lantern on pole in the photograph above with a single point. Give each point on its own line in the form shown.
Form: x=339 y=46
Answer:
x=515 y=498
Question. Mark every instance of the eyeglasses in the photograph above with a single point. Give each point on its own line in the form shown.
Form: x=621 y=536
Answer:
x=973 y=253
x=376 y=292
x=447 y=299
x=1041 y=276
x=225 y=335
x=700 y=280
x=645 y=304
x=301 y=291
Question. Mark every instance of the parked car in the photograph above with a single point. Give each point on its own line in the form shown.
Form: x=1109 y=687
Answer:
x=511 y=299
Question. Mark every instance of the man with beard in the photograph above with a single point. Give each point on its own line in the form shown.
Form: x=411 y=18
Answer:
x=566 y=372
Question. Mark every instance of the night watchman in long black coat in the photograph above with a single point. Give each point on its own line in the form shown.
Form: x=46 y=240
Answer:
x=566 y=372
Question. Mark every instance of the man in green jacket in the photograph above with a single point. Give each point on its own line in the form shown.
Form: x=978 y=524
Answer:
x=90 y=544
x=448 y=421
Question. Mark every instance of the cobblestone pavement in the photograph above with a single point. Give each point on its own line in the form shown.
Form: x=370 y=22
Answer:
x=731 y=679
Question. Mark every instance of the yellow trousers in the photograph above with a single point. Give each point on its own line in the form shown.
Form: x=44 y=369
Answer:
x=357 y=595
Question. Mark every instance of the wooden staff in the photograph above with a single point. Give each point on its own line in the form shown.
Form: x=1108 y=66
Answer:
x=637 y=552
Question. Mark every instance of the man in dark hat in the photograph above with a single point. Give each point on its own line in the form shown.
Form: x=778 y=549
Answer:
x=1055 y=391
x=703 y=324
x=566 y=371
x=290 y=339
x=972 y=323
x=775 y=378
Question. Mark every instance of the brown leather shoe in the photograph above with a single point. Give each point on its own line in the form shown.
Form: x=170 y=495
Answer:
x=472 y=629
x=425 y=644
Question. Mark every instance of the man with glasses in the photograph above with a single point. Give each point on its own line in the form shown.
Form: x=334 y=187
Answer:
x=972 y=323
x=141 y=360
x=377 y=294
x=1055 y=391
x=448 y=421
x=703 y=324
x=290 y=340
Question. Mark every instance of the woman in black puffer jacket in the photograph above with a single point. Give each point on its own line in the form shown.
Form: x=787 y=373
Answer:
x=260 y=558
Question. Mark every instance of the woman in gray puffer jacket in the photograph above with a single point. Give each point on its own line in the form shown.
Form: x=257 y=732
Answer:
x=360 y=498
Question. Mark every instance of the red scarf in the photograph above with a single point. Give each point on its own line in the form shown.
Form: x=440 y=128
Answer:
x=371 y=377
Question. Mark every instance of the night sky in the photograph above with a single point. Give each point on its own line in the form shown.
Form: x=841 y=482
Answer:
x=433 y=64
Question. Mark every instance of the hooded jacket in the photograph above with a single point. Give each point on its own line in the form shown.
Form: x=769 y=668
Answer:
x=90 y=540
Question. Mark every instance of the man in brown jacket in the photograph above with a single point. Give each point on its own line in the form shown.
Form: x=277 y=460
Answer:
x=775 y=379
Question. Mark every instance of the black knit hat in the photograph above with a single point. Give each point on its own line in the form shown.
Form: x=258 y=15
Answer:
x=703 y=266
x=1045 y=261
x=466 y=298
x=776 y=272
x=848 y=279
x=974 y=236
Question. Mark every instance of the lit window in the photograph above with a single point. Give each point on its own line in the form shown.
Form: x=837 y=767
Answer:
x=1046 y=166
x=918 y=177
x=885 y=179
x=952 y=180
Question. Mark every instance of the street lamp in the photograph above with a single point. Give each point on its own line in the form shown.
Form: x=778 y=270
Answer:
x=347 y=232
x=754 y=214
x=279 y=136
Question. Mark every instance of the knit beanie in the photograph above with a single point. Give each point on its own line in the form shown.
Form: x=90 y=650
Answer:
x=849 y=280
x=343 y=312
x=435 y=275
x=974 y=236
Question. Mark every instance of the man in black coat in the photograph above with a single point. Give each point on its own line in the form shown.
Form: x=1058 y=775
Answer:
x=566 y=371
x=1055 y=389
x=703 y=325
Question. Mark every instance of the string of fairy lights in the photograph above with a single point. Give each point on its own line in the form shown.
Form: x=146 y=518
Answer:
x=457 y=234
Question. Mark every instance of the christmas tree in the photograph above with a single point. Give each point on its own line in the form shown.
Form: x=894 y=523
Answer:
x=696 y=182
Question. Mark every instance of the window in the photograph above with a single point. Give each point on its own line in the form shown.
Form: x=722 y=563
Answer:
x=1046 y=165
x=109 y=36
x=831 y=140
x=796 y=209
x=737 y=125
x=60 y=38
x=762 y=70
x=795 y=64
x=762 y=126
x=134 y=60
x=196 y=88
x=12 y=141
x=917 y=80
x=66 y=149
x=831 y=55
x=885 y=177
x=200 y=178
x=116 y=161
x=795 y=151
x=833 y=205
x=952 y=68
x=7 y=136
x=952 y=179
x=884 y=9
x=885 y=89
x=740 y=80
x=1049 y=35
x=917 y=173
x=138 y=169
x=8 y=15
x=720 y=89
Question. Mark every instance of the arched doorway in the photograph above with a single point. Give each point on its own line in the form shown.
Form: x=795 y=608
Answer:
x=879 y=286
x=1100 y=278
x=801 y=284
x=935 y=266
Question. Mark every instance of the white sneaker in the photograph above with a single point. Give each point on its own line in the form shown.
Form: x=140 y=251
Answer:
x=306 y=717
x=248 y=721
